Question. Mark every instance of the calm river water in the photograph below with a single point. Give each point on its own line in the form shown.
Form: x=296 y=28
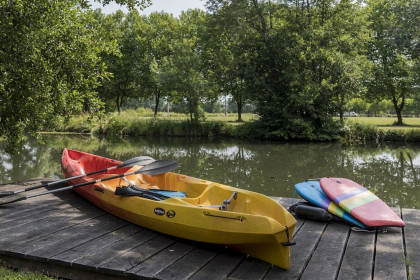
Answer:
x=272 y=168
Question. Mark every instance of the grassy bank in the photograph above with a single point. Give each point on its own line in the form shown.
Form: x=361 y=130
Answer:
x=357 y=130
x=362 y=130
x=142 y=122
x=9 y=274
x=385 y=123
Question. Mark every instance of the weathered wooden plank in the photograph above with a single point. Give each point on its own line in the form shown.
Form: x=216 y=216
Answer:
x=137 y=255
x=389 y=254
x=115 y=250
x=91 y=246
x=29 y=246
x=26 y=182
x=38 y=221
x=306 y=239
x=37 y=202
x=389 y=257
x=162 y=260
x=31 y=216
x=187 y=266
x=358 y=258
x=49 y=225
x=412 y=241
x=250 y=269
x=77 y=236
x=299 y=224
x=221 y=266
x=34 y=210
x=326 y=259
x=13 y=186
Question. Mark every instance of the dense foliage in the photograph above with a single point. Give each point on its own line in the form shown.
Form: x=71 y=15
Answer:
x=49 y=64
x=299 y=63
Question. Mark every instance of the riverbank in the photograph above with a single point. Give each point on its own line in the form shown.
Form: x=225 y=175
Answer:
x=356 y=130
x=11 y=274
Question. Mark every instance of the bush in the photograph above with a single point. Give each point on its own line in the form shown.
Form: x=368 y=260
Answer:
x=357 y=133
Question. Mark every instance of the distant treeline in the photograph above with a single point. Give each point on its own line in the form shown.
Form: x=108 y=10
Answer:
x=298 y=63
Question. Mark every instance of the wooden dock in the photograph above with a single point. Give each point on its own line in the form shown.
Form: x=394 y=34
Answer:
x=64 y=235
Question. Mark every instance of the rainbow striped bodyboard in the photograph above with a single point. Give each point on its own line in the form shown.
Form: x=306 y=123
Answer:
x=360 y=203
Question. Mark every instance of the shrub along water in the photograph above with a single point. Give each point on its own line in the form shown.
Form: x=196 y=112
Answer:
x=141 y=123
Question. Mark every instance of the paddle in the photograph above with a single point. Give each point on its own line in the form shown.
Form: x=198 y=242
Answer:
x=142 y=160
x=136 y=191
x=154 y=168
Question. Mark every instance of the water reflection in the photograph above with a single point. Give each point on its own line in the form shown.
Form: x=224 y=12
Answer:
x=269 y=168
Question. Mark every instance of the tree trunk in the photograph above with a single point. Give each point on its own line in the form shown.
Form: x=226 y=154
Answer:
x=308 y=8
x=157 y=100
x=118 y=104
x=261 y=18
x=399 y=117
x=190 y=109
x=398 y=108
x=240 y=105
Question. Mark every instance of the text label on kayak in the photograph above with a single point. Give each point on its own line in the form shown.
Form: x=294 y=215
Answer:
x=159 y=211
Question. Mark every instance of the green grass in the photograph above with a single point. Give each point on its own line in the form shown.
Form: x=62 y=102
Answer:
x=385 y=123
x=9 y=274
x=142 y=121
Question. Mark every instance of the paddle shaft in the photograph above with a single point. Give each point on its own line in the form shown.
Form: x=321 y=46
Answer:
x=157 y=167
x=70 y=187
x=56 y=182
x=81 y=184
x=65 y=180
x=142 y=160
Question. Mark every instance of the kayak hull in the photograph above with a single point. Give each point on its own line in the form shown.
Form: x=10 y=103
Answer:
x=253 y=223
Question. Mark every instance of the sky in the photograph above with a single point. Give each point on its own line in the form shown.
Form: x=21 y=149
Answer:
x=170 y=6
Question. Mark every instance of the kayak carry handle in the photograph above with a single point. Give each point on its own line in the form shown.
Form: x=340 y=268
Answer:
x=289 y=242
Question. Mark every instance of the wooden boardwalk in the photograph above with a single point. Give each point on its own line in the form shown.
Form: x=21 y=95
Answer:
x=64 y=235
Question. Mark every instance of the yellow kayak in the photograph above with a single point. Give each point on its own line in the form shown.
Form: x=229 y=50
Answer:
x=187 y=207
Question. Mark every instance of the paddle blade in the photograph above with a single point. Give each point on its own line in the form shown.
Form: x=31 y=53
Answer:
x=9 y=193
x=8 y=200
x=142 y=160
x=158 y=167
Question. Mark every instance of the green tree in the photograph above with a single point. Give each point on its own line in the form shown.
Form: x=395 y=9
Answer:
x=159 y=32
x=346 y=65
x=127 y=66
x=183 y=73
x=358 y=105
x=334 y=35
x=391 y=51
x=303 y=56
x=49 y=64
x=229 y=55
x=131 y=4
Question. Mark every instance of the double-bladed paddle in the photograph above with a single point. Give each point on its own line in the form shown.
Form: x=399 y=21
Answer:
x=154 y=168
x=142 y=160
